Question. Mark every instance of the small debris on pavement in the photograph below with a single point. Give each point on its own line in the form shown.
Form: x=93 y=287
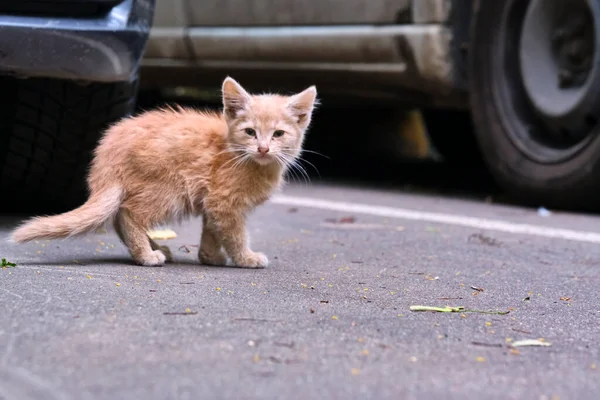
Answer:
x=186 y=248
x=343 y=220
x=449 y=309
x=162 y=234
x=477 y=288
x=486 y=344
x=544 y=212
x=292 y=210
x=565 y=298
x=530 y=342
x=186 y=312
x=482 y=239
x=521 y=331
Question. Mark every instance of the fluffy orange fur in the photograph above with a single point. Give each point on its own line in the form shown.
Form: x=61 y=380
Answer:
x=169 y=164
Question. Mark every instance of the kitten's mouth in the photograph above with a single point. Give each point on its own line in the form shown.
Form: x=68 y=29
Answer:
x=263 y=159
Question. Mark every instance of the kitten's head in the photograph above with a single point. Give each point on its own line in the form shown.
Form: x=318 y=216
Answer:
x=267 y=128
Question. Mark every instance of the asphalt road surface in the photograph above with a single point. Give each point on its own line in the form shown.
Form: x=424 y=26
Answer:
x=330 y=317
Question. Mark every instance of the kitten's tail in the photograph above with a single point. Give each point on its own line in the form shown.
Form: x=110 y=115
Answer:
x=99 y=208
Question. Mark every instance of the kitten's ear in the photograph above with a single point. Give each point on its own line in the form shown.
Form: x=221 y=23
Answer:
x=302 y=104
x=235 y=99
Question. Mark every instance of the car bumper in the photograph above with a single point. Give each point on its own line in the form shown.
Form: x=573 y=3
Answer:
x=106 y=48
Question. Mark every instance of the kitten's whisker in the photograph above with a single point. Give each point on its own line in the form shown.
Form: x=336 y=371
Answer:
x=302 y=171
x=315 y=152
x=234 y=160
x=285 y=166
x=295 y=165
x=300 y=159
x=245 y=157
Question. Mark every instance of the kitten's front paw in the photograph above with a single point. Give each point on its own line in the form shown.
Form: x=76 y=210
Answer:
x=252 y=260
x=153 y=259
x=218 y=258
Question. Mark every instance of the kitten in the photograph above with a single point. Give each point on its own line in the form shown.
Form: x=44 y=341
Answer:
x=170 y=164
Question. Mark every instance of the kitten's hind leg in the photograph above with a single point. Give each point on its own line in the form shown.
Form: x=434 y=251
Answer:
x=211 y=251
x=135 y=238
x=155 y=246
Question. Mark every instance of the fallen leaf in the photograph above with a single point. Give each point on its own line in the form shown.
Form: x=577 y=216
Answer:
x=7 y=264
x=565 y=298
x=530 y=342
x=162 y=234
x=436 y=309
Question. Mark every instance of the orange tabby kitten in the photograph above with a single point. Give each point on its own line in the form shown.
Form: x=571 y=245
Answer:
x=169 y=164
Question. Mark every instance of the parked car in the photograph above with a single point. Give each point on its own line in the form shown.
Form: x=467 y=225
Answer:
x=527 y=70
x=68 y=68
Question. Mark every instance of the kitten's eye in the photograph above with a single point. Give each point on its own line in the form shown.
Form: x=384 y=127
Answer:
x=278 y=133
x=250 y=132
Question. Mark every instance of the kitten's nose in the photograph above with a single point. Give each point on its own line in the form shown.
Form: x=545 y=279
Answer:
x=263 y=150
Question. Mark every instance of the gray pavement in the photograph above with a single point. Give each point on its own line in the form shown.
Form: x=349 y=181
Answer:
x=328 y=319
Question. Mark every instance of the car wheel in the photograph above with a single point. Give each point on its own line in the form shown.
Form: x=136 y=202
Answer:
x=534 y=77
x=48 y=131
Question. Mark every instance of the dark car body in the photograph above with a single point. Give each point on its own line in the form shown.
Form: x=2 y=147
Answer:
x=86 y=40
x=68 y=69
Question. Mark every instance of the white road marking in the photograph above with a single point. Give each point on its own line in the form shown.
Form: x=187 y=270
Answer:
x=459 y=220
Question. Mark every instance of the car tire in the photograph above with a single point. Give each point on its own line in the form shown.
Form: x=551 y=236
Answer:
x=539 y=140
x=49 y=129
